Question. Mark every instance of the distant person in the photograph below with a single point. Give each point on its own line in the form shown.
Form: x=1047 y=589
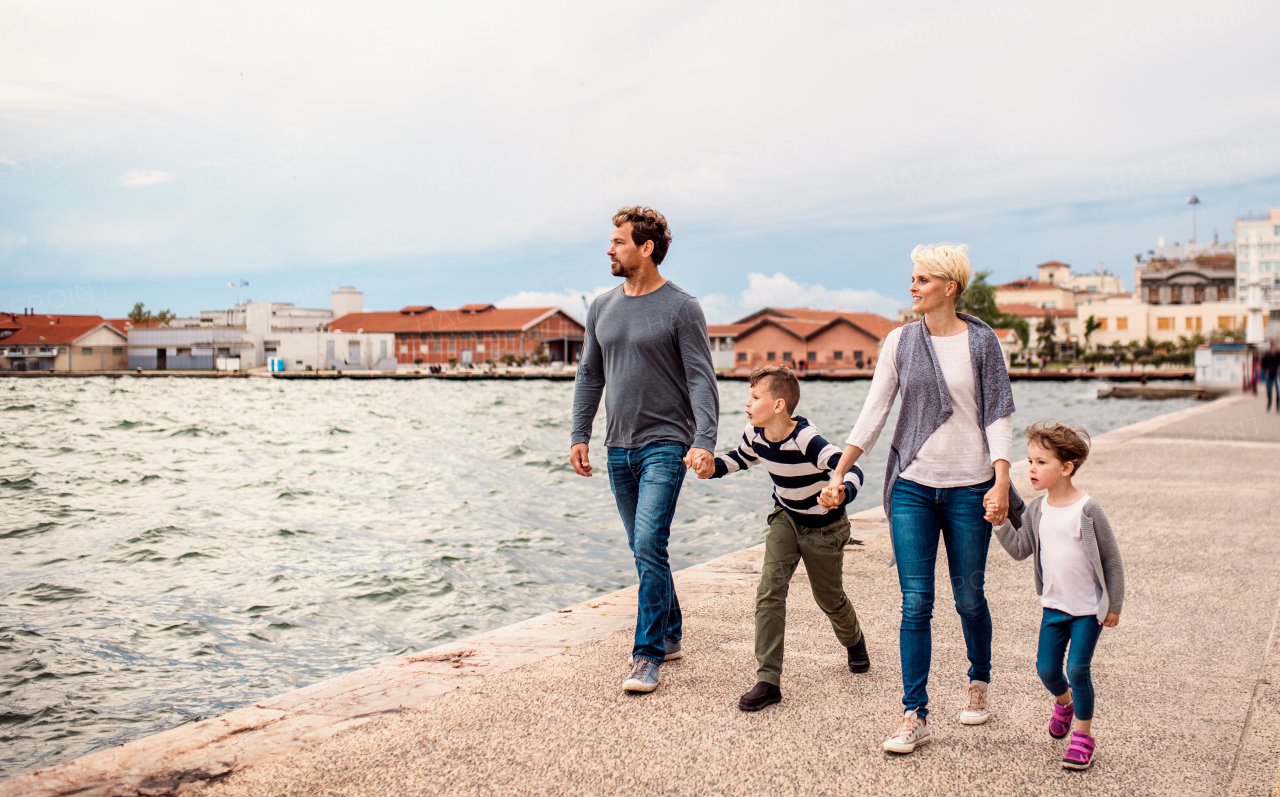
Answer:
x=1078 y=573
x=646 y=340
x=950 y=452
x=1270 y=368
x=797 y=459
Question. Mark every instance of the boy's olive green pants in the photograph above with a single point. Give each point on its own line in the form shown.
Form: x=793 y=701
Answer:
x=822 y=550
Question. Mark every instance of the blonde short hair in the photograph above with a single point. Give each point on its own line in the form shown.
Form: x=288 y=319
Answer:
x=945 y=261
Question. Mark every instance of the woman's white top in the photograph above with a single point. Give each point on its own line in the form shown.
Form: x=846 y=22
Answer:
x=959 y=452
x=1070 y=583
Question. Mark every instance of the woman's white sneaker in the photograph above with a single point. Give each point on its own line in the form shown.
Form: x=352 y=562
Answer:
x=979 y=709
x=912 y=731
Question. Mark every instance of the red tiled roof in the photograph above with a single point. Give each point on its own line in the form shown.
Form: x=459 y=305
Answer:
x=1052 y=263
x=726 y=329
x=50 y=330
x=1003 y=333
x=416 y=309
x=875 y=325
x=497 y=319
x=476 y=308
x=1029 y=284
x=1031 y=311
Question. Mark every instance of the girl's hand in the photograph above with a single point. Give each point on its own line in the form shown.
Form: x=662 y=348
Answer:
x=1112 y=620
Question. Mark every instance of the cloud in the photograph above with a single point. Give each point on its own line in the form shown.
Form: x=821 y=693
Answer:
x=10 y=241
x=136 y=178
x=722 y=308
x=573 y=302
x=782 y=291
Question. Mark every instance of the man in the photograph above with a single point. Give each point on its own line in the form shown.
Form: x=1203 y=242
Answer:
x=647 y=341
x=1270 y=367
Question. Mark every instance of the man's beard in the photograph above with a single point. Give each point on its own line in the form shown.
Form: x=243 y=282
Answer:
x=619 y=270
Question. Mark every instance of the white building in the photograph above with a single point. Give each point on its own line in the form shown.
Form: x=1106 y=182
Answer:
x=1060 y=275
x=1258 y=268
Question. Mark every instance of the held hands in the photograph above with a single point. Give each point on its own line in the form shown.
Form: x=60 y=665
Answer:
x=1112 y=620
x=832 y=496
x=996 y=504
x=701 y=462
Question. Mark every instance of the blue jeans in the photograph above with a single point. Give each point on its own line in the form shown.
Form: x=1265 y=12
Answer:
x=1056 y=630
x=920 y=514
x=646 y=482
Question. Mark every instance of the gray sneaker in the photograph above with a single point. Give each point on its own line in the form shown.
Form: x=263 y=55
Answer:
x=643 y=677
x=672 y=647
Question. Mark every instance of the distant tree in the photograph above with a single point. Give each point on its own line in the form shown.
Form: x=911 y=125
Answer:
x=1091 y=325
x=164 y=317
x=1046 y=331
x=139 y=315
x=979 y=300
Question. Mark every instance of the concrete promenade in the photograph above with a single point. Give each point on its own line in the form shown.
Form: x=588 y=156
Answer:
x=1188 y=685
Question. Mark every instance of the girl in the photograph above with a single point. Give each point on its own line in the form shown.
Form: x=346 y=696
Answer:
x=1078 y=573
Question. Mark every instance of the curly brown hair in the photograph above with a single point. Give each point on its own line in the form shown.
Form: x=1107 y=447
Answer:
x=780 y=382
x=1068 y=444
x=647 y=224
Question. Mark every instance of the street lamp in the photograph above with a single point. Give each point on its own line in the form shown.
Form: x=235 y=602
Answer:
x=1193 y=201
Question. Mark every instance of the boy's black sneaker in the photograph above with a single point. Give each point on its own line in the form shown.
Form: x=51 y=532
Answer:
x=858 y=660
x=761 y=695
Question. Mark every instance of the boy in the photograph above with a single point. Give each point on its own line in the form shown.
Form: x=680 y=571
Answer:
x=1078 y=573
x=798 y=460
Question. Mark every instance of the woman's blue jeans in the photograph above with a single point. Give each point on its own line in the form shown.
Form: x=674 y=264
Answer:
x=646 y=482
x=920 y=515
x=1057 y=628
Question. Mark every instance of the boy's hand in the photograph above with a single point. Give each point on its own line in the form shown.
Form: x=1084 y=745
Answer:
x=578 y=459
x=701 y=462
x=832 y=497
x=992 y=508
x=1112 y=620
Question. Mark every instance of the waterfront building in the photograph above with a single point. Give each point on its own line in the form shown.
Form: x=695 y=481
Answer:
x=156 y=348
x=1067 y=333
x=723 y=339
x=1126 y=320
x=1029 y=291
x=285 y=317
x=474 y=333
x=1187 y=273
x=1059 y=274
x=60 y=343
x=821 y=339
x=1258 y=268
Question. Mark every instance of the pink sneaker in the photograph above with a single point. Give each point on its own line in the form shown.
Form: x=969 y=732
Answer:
x=1060 y=723
x=1080 y=753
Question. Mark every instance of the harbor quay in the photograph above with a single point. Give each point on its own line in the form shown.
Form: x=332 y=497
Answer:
x=1188 y=683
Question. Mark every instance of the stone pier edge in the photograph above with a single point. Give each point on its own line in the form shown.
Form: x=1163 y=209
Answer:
x=181 y=758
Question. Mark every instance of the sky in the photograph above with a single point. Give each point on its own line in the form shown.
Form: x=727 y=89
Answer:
x=449 y=153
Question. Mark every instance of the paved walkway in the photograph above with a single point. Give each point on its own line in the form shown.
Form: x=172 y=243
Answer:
x=1188 y=685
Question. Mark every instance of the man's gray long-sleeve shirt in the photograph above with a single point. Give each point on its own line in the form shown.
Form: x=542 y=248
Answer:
x=653 y=354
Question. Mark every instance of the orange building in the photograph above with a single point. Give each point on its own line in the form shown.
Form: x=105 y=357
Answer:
x=475 y=333
x=821 y=339
x=61 y=343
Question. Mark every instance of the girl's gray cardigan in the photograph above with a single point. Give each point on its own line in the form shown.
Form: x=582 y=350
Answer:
x=1099 y=543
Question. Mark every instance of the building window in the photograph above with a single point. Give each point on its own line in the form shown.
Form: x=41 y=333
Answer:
x=1226 y=322
x=1122 y=323
x=465 y=335
x=786 y=356
x=1198 y=293
x=771 y=356
x=837 y=355
x=1102 y=323
x=511 y=335
x=1175 y=295
x=453 y=347
x=742 y=356
x=813 y=355
x=1164 y=322
x=86 y=350
x=857 y=355
x=423 y=335
x=117 y=350
x=1153 y=296
x=1224 y=294
x=437 y=348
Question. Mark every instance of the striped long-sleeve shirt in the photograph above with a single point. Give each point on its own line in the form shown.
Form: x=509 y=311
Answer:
x=799 y=467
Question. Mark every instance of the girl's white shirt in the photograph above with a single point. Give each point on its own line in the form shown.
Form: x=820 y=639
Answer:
x=958 y=453
x=1070 y=583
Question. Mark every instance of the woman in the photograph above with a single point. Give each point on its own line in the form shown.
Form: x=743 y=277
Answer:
x=950 y=455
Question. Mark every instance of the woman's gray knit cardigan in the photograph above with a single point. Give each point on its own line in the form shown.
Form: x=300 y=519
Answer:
x=925 y=404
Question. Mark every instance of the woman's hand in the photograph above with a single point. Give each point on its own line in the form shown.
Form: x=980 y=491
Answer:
x=996 y=501
x=832 y=496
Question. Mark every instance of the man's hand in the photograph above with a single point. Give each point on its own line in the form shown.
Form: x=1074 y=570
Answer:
x=1112 y=620
x=701 y=462
x=832 y=496
x=578 y=459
